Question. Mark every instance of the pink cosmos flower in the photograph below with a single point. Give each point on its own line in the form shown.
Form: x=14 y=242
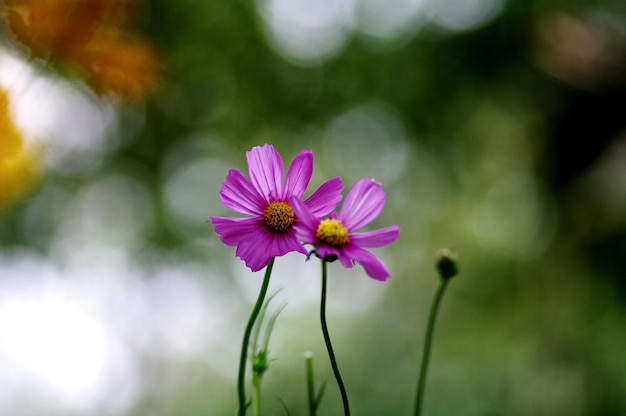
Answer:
x=268 y=231
x=335 y=237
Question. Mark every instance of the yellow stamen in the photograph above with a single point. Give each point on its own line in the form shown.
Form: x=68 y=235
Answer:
x=279 y=216
x=332 y=232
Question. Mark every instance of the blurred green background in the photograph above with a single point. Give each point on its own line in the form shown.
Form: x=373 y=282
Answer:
x=496 y=127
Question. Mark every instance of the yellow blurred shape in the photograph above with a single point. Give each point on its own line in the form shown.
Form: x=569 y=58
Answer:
x=89 y=37
x=19 y=167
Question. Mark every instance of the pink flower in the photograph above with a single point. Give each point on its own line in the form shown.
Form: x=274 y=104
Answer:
x=335 y=237
x=268 y=231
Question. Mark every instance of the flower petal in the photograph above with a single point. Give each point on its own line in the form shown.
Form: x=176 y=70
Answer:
x=266 y=170
x=306 y=222
x=372 y=264
x=299 y=175
x=239 y=195
x=376 y=238
x=325 y=198
x=325 y=251
x=251 y=250
x=259 y=249
x=363 y=203
x=234 y=230
x=282 y=244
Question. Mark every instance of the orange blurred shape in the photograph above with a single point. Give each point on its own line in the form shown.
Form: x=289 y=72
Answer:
x=19 y=167
x=122 y=65
x=89 y=36
x=56 y=28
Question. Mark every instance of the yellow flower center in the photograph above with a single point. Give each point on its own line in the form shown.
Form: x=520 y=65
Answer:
x=332 y=232
x=279 y=216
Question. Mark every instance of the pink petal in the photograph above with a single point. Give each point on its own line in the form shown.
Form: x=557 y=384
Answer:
x=266 y=170
x=305 y=234
x=299 y=174
x=376 y=238
x=325 y=198
x=258 y=249
x=239 y=195
x=325 y=251
x=362 y=204
x=372 y=264
x=282 y=244
x=233 y=230
x=306 y=223
x=251 y=251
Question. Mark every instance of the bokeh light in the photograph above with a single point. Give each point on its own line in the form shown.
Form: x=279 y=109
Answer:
x=307 y=31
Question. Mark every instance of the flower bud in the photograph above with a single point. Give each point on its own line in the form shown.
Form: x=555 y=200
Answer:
x=447 y=263
x=260 y=363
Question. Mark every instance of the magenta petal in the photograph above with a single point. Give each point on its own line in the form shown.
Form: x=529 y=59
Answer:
x=376 y=238
x=324 y=251
x=306 y=223
x=345 y=260
x=266 y=170
x=299 y=174
x=258 y=249
x=364 y=202
x=238 y=194
x=251 y=250
x=372 y=264
x=233 y=230
x=325 y=198
x=282 y=244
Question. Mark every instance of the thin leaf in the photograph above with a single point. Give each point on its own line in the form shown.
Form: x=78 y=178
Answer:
x=270 y=326
x=284 y=406
x=319 y=396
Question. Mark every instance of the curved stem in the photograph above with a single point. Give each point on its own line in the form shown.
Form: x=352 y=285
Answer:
x=329 y=347
x=443 y=283
x=246 y=339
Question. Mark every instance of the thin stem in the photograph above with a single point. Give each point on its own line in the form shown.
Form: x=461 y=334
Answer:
x=256 y=398
x=246 y=339
x=329 y=347
x=443 y=283
x=310 y=383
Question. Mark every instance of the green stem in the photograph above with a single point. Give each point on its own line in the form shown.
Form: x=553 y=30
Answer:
x=256 y=398
x=246 y=339
x=310 y=383
x=329 y=347
x=443 y=283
